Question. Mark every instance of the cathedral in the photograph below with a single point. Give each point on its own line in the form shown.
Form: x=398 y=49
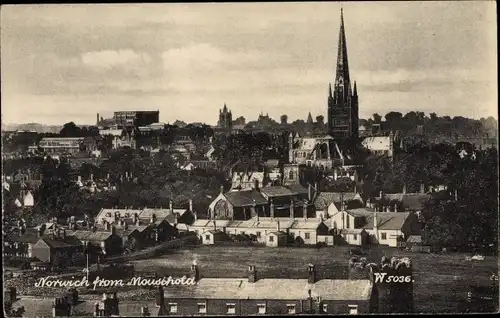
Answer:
x=343 y=111
x=225 y=119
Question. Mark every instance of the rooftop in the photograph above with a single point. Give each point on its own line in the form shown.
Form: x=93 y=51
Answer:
x=269 y=289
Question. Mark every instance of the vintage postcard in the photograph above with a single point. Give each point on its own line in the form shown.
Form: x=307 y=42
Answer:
x=238 y=159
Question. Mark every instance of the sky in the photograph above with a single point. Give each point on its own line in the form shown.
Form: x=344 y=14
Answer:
x=64 y=63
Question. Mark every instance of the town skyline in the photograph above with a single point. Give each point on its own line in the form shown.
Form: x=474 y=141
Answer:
x=120 y=58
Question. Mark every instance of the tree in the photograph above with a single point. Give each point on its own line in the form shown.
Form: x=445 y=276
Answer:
x=393 y=120
x=131 y=245
x=239 y=121
x=320 y=119
x=71 y=130
x=284 y=119
x=377 y=118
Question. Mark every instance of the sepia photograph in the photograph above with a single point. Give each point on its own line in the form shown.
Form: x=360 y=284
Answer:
x=249 y=159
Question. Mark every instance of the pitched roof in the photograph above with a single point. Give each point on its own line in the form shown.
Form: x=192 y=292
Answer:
x=324 y=199
x=209 y=223
x=377 y=143
x=411 y=201
x=385 y=220
x=414 y=239
x=29 y=236
x=159 y=213
x=245 y=198
x=297 y=188
x=91 y=236
x=306 y=224
x=238 y=288
x=276 y=191
x=57 y=242
x=42 y=307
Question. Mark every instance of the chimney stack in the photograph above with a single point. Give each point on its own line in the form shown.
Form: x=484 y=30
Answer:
x=422 y=187
x=256 y=184
x=160 y=297
x=375 y=225
x=309 y=192
x=91 y=177
x=271 y=208
x=195 y=272
x=292 y=213
x=252 y=274
x=221 y=189
x=107 y=226
x=145 y=311
x=404 y=188
x=277 y=225
x=153 y=218
x=304 y=211
x=171 y=206
x=190 y=205
x=311 y=277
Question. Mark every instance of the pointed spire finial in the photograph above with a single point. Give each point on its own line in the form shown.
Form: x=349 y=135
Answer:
x=355 y=89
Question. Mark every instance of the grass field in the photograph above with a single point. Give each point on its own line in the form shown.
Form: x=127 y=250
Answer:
x=441 y=281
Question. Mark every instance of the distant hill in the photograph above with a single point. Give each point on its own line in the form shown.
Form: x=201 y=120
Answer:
x=39 y=128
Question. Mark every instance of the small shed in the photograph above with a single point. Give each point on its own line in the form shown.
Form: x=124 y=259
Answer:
x=212 y=237
x=276 y=239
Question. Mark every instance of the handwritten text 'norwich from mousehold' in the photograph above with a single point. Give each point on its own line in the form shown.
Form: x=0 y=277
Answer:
x=101 y=282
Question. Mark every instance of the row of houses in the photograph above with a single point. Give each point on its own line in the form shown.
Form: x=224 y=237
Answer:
x=109 y=234
x=360 y=227
x=255 y=294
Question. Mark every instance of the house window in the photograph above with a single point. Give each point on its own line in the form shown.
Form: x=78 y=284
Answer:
x=261 y=308
x=257 y=234
x=355 y=237
x=172 y=308
x=347 y=222
x=290 y=175
x=271 y=238
x=207 y=237
x=202 y=308
x=353 y=309
x=307 y=236
x=326 y=240
x=291 y=309
x=324 y=308
x=383 y=236
x=231 y=308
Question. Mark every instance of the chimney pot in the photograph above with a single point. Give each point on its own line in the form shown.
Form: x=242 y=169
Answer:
x=195 y=272
x=311 y=279
x=252 y=274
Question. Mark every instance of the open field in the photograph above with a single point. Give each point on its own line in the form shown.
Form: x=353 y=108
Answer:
x=441 y=281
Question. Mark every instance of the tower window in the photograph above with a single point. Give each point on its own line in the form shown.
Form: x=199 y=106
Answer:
x=290 y=175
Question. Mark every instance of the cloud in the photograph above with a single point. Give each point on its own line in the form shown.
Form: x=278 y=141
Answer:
x=108 y=59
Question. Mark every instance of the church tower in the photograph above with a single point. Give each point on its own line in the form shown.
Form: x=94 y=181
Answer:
x=343 y=112
x=225 y=118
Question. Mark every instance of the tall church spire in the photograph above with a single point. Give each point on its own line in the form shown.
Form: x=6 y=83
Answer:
x=343 y=110
x=342 y=79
